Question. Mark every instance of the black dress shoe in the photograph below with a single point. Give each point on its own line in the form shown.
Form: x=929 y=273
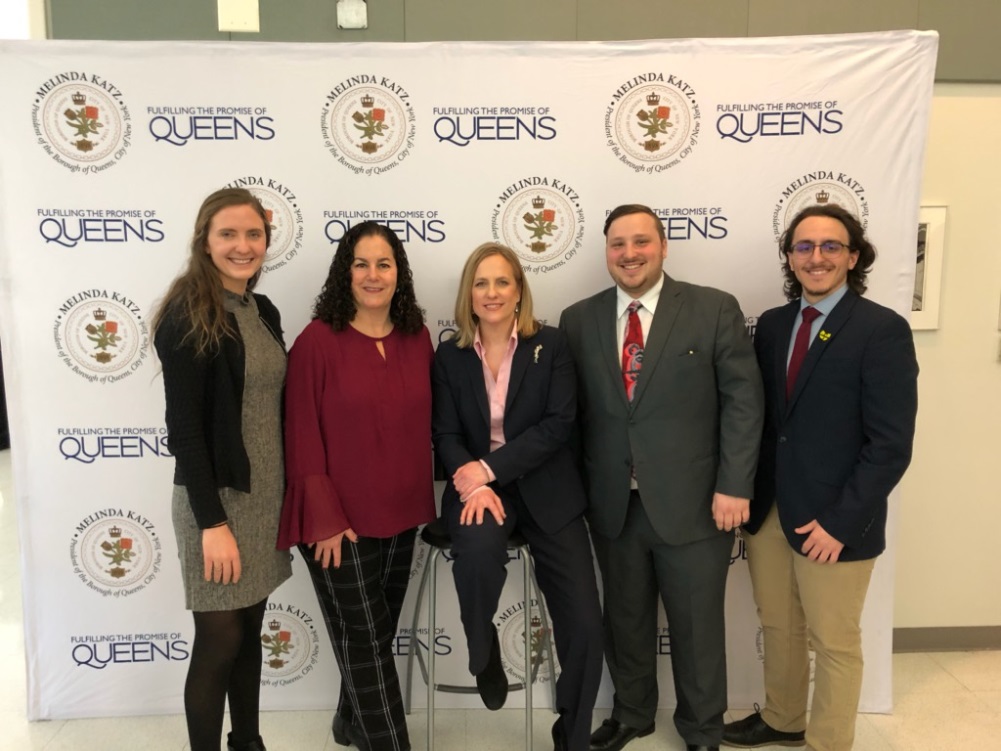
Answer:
x=613 y=735
x=559 y=735
x=491 y=682
x=696 y=747
x=347 y=734
x=255 y=745
x=340 y=729
x=752 y=732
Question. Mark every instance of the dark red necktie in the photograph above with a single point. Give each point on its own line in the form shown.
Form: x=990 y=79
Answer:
x=632 y=350
x=799 y=348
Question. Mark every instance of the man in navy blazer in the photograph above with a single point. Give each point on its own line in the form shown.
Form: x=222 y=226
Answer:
x=669 y=474
x=839 y=426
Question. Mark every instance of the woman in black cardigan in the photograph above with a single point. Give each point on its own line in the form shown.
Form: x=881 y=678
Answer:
x=223 y=372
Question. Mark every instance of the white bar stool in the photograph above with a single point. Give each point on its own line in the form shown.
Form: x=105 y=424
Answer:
x=436 y=536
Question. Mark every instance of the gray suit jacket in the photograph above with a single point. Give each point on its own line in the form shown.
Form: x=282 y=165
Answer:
x=694 y=425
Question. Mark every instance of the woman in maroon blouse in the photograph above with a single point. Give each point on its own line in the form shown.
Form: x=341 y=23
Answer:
x=358 y=464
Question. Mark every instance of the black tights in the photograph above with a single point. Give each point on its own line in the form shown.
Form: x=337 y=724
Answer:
x=225 y=661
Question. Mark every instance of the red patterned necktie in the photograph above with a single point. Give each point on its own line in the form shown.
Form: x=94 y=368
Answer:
x=632 y=350
x=799 y=348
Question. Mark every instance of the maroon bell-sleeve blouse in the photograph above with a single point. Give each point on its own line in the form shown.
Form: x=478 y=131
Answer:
x=357 y=435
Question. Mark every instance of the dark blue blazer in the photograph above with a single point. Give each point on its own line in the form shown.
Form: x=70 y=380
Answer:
x=842 y=442
x=538 y=421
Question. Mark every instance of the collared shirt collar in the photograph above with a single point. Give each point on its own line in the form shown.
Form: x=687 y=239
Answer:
x=512 y=341
x=828 y=304
x=648 y=299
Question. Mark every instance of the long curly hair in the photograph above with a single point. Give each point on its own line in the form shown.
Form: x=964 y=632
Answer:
x=196 y=295
x=857 y=242
x=335 y=305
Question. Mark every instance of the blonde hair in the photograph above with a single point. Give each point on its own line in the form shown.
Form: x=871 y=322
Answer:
x=465 y=320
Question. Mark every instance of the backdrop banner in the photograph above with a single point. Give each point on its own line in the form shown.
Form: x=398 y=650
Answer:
x=107 y=150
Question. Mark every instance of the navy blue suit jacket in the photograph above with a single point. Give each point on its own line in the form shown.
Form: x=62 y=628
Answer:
x=841 y=443
x=539 y=419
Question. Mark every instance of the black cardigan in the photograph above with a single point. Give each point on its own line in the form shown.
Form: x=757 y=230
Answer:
x=204 y=396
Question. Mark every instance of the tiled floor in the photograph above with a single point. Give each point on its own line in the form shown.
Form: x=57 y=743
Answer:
x=943 y=701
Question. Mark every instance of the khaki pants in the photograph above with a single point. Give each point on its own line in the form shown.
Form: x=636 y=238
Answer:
x=803 y=603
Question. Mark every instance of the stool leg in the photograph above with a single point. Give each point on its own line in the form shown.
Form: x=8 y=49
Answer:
x=547 y=642
x=413 y=648
x=526 y=560
x=432 y=607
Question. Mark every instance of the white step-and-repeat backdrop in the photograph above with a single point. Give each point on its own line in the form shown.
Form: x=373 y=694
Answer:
x=107 y=149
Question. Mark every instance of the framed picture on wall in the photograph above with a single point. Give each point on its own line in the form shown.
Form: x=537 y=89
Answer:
x=928 y=268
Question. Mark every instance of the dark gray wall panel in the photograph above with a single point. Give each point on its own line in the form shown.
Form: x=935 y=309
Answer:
x=479 y=20
x=316 y=21
x=784 y=17
x=133 y=19
x=969 y=49
x=669 y=19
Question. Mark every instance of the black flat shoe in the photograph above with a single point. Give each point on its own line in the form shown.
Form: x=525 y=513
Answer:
x=255 y=745
x=340 y=728
x=559 y=735
x=347 y=734
x=492 y=681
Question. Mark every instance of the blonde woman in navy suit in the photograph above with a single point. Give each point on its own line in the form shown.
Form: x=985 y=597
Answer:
x=504 y=409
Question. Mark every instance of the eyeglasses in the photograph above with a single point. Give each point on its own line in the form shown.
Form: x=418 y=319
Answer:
x=829 y=248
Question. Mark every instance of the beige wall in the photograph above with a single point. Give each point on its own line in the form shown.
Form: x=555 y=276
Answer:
x=947 y=561
x=36 y=19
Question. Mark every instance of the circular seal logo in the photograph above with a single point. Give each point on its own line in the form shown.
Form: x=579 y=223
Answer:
x=652 y=122
x=291 y=645
x=368 y=124
x=81 y=121
x=115 y=552
x=821 y=187
x=541 y=220
x=284 y=216
x=511 y=634
x=101 y=336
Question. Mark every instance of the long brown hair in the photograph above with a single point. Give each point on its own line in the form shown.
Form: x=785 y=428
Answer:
x=196 y=296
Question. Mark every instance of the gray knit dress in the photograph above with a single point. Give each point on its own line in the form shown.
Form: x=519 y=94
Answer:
x=253 y=517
